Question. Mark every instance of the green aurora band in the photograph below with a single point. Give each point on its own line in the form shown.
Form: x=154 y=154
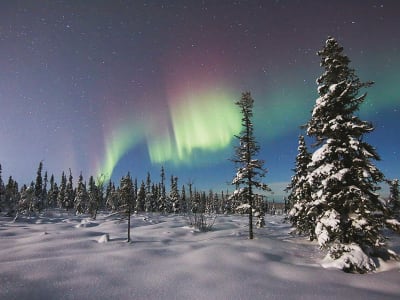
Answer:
x=207 y=122
x=121 y=140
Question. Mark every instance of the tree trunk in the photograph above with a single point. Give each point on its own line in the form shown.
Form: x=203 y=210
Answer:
x=251 y=236
x=129 y=224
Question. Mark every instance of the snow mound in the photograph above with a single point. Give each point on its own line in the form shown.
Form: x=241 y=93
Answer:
x=86 y=223
x=352 y=259
x=105 y=238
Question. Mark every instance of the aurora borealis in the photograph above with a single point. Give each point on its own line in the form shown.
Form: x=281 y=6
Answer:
x=116 y=86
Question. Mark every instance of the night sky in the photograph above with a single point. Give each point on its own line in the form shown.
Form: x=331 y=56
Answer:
x=117 y=86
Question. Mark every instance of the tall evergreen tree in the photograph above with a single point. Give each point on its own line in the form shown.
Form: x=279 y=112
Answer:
x=154 y=197
x=126 y=196
x=28 y=202
x=250 y=169
x=300 y=193
x=162 y=200
x=93 y=197
x=148 y=183
x=135 y=192
x=39 y=181
x=141 y=198
x=174 y=195
x=39 y=187
x=100 y=191
x=112 y=197
x=61 y=195
x=44 y=190
x=342 y=175
x=81 y=196
x=12 y=196
x=183 y=200
x=107 y=195
x=52 y=194
x=69 y=192
x=150 y=201
x=394 y=198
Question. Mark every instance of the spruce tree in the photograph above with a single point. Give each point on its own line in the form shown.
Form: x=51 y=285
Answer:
x=174 y=195
x=126 y=196
x=183 y=200
x=39 y=187
x=300 y=193
x=69 y=192
x=148 y=183
x=52 y=194
x=93 y=197
x=162 y=200
x=81 y=197
x=394 y=199
x=154 y=197
x=343 y=178
x=39 y=181
x=28 y=201
x=62 y=191
x=250 y=169
x=141 y=198
x=112 y=198
x=44 y=191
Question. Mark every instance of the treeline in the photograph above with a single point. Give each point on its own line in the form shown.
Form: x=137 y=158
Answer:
x=162 y=195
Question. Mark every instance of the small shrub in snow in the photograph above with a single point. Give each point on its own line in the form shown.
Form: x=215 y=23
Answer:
x=201 y=221
x=260 y=221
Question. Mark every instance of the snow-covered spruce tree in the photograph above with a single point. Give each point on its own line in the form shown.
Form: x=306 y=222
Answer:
x=300 y=193
x=141 y=198
x=183 y=200
x=95 y=197
x=112 y=198
x=44 y=191
x=174 y=195
x=250 y=169
x=342 y=175
x=52 y=193
x=62 y=190
x=393 y=206
x=69 y=192
x=162 y=200
x=39 y=187
x=81 y=197
x=126 y=196
x=394 y=198
x=12 y=196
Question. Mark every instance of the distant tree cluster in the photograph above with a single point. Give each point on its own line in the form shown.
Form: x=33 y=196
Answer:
x=94 y=195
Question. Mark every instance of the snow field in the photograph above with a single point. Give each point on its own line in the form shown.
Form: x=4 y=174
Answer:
x=60 y=256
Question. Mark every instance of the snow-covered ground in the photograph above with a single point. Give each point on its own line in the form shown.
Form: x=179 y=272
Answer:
x=61 y=256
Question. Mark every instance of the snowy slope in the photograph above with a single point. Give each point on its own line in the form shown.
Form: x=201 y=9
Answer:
x=60 y=256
